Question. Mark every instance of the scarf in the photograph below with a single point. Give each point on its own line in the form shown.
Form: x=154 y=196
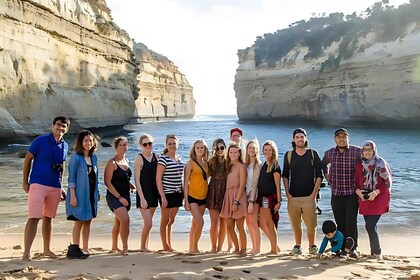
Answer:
x=373 y=168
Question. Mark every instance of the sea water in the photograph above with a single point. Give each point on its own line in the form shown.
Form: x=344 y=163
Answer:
x=399 y=147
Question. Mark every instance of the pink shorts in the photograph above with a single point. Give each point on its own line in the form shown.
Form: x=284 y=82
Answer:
x=43 y=201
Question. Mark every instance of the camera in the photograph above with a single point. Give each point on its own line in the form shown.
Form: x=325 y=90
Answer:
x=366 y=194
x=57 y=167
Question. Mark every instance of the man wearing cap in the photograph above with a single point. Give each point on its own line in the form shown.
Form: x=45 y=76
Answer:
x=236 y=137
x=302 y=174
x=339 y=169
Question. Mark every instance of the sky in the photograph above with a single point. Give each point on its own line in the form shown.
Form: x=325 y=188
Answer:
x=202 y=37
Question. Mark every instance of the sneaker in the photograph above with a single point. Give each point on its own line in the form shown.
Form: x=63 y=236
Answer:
x=379 y=257
x=313 y=250
x=74 y=252
x=354 y=254
x=348 y=244
x=296 y=250
x=343 y=254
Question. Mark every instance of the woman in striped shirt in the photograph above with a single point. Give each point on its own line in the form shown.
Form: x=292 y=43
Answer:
x=169 y=184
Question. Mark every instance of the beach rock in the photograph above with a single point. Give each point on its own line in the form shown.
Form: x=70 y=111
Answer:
x=17 y=247
x=105 y=145
x=163 y=90
x=379 y=85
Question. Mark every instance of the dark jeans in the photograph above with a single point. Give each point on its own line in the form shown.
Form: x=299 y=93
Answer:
x=345 y=210
x=370 y=224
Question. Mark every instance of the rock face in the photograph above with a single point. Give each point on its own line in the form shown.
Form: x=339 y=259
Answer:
x=164 y=91
x=63 y=57
x=380 y=85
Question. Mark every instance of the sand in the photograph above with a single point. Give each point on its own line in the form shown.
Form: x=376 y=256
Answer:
x=401 y=261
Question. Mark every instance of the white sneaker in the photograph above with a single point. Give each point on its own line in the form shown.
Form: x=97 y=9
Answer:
x=379 y=257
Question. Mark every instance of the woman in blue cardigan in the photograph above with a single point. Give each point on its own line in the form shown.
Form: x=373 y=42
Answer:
x=82 y=194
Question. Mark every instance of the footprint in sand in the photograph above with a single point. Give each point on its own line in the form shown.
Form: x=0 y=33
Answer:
x=221 y=276
x=190 y=261
x=218 y=268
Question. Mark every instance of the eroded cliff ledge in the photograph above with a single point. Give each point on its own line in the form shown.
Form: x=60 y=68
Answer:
x=63 y=57
x=379 y=85
x=163 y=90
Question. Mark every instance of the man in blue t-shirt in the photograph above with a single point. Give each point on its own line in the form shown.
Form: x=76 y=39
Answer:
x=47 y=154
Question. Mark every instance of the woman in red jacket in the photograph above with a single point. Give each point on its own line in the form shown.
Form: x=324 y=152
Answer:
x=373 y=183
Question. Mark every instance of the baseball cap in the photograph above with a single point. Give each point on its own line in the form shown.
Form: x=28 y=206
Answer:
x=299 y=130
x=237 y=129
x=341 y=130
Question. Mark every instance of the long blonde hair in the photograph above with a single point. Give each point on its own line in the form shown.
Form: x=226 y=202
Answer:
x=257 y=156
x=193 y=155
x=229 y=163
x=273 y=163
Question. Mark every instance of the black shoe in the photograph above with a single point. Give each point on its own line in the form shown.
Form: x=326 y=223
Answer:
x=74 y=252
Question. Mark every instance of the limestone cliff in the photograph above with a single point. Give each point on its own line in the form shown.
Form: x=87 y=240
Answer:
x=63 y=57
x=378 y=84
x=163 y=90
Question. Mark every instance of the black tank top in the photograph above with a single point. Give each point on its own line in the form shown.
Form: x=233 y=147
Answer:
x=121 y=180
x=148 y=175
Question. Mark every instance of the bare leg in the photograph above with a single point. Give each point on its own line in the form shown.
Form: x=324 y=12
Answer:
x=242 y=235
x=164 y=221
x=191 y=236
x=86 y=235
x=77 y=227
x=46 y=236
x=222 y=234
x=172 y=216
x=272 y=235
x=230 y=224
x=214 y=226
x=197 y=212
x=122 y=215
x=29 y=236
x=115 y=233
x=147 y=215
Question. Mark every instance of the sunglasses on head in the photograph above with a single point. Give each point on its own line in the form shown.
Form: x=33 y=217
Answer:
x=222 y=148
x=147 y=144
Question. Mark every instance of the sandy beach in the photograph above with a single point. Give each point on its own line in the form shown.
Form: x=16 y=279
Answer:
x=401 y=261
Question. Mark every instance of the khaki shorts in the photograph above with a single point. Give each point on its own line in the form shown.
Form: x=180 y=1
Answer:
x=302 y=208
x=43 y=201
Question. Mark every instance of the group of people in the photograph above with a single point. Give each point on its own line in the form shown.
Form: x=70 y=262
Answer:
x=230 y=181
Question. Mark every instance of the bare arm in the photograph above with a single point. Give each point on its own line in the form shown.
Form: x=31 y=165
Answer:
x=187 y=174
x=159 y=174
x=138 y=166
x=277 y=182
x=26 y=168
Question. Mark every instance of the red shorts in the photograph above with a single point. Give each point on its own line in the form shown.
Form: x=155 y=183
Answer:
x=43 y=201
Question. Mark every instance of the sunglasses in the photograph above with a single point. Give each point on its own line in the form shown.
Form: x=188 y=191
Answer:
x=220 y=149
x=147 y=144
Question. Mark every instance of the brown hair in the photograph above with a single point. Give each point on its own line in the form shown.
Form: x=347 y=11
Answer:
x=170 y=136
x=118 y=140
x=228 y=160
